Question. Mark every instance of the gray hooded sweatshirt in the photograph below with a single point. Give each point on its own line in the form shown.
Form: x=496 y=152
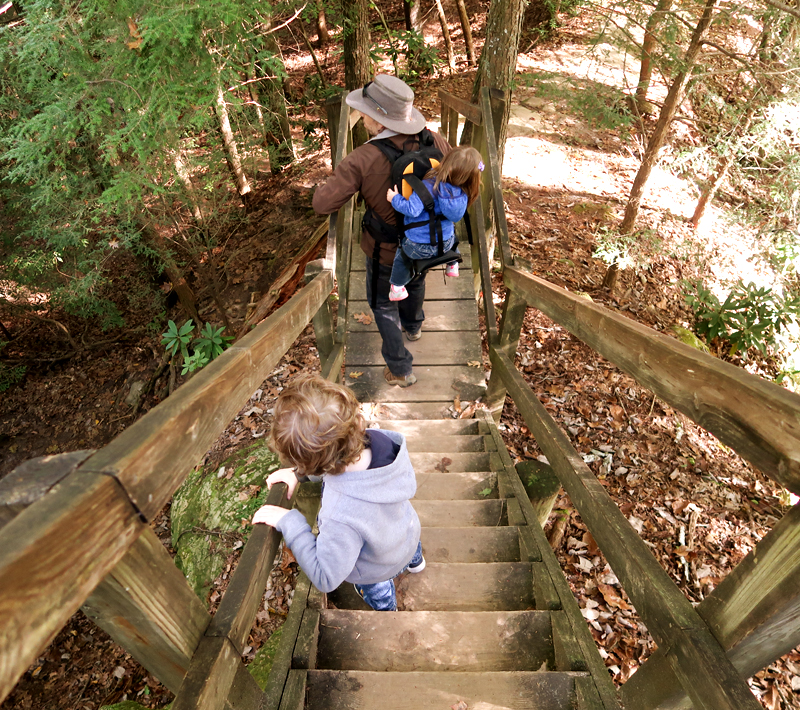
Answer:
x=368 y=531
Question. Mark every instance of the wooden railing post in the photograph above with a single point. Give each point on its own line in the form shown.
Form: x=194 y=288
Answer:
x=323 y=318
x=514 y=310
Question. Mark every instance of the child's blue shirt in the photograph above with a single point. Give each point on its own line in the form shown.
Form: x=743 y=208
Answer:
x=450 y=203
x=368 y=530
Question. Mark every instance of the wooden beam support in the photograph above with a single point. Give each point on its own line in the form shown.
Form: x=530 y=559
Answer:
x=52 y=555
x=514 y=309
x=465 y=108
x=493 y=172
x=484 y=271
x=146 y=605
x=333 y=365
x=699 y=662
x=198 y=412
x=756 y=418
x=323 y=319
x=754 y=614
x=344 y=251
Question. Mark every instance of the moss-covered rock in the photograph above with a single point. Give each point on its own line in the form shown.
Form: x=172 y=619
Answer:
x=688 y=338
x=208 y=510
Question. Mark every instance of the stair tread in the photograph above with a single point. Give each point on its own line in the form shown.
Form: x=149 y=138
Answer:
x=431 y=411
x=434 y=641
x=497 y=690
x=460 y=513
x=454 y=461
x=461 y=485
x=435 y=443
x=423 y=427
x=470 y=545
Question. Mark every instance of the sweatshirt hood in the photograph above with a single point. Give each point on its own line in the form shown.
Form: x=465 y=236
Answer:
x=389 y=484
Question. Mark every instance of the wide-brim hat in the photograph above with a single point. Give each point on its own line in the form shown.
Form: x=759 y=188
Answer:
x=390 y=101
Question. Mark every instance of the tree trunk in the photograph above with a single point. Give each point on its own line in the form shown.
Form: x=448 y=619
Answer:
x=646 y=70
x=279 y=134
x=668 y=110
x=191 y=197
x=323 y=37
x=722 y=169
x=448 y=43
x=467 y=30
x=498 y=62
x=411 y=14
x=231 y=150
x=357 y=63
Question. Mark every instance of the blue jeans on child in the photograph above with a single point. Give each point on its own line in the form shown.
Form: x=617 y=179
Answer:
x=381 y=596
x=401 y=274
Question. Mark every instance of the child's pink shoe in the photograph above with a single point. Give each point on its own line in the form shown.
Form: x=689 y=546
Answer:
x=397 y=293
x=452 y=270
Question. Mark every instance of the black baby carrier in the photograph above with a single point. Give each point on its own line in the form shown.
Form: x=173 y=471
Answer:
x=410 y=167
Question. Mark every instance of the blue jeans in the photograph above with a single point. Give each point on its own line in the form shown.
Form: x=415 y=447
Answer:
x=401 y=274
x=390 y=316
x=380 y=596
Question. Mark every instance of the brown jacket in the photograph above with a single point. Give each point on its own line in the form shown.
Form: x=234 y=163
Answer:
x=367 y=170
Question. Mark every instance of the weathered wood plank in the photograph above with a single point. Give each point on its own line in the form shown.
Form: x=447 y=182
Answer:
x=710 y=679
x=283 y=656
x=407 y=410
x=358 y=260
x=754 y=613
x=294 y=696
x=146 y=605
x=544 y=590
x=444 y=641
x=210 y=676
x=469 y=461
x=435 y=383
x=445 y=445
x=470 y=545
x=197 y=413
x=514 y=309
x=460 y=513
x=532 y=536
x=29 y=481
x=237 y=610
x=461 y=485
x=478 y=222
x=542 y=486
x=450 y=348
x=305 y=650
x=566 y=650
x=439 y=316
x=367 y=690
x=756 y=418
x=324 y=327
x=465 y=108
x=52 y=555
x=413 y=428
x=332 y=368
x=344 y=245
x=500 y=586
x=436 y=289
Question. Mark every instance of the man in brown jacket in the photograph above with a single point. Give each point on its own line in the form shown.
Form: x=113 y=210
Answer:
x=387 y=109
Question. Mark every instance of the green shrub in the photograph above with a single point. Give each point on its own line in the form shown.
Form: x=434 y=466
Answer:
x=750 y=316
x=207 y=346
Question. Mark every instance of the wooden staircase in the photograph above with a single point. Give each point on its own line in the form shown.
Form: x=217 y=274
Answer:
x=485 y=624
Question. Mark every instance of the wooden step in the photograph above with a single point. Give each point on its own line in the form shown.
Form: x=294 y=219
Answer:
x=435 y=289
x=466 y=485
x=470 y=544
x=435 y=383
x=439 y=316
x=460 y=513
x=432 y=442
x=439 y=427
x=433 y=348
x=451 y=462
x=509 y=690
x=434 y=641
x=358 y=260
x=498 y=586
x=433 y=411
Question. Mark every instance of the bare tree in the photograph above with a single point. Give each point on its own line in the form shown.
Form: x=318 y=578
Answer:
x=448 y=43
x=467 y=30
x=648 y=44
x=657 y=139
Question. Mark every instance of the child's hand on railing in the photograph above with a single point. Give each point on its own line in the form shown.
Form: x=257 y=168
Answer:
x=391 y=193
x=283 y=475
x=269 y=515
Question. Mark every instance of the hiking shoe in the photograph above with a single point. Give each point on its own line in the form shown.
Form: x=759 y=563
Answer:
x=397 y=293
x=399 y=380
x=413 y=336
x=452 y=270
x=417 y=568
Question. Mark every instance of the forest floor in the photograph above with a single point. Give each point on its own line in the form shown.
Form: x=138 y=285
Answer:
x=567 y=173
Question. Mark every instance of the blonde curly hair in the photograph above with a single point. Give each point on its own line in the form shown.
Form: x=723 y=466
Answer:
x=317 y=426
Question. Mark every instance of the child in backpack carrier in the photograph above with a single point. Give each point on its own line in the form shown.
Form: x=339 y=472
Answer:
x=454 y=184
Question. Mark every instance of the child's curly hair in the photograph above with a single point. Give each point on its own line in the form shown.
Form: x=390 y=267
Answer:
x=317 y=427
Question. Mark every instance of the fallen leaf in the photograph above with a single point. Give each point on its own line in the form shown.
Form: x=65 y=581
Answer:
x=468 y=412
x=443 y=464
x=287 y=559
x=363 y=318
x=243 y=496
x=485 y=492
x=460 y=705
x=612 y=597
x=457 y=403
x=355 y=375
x=474 y=363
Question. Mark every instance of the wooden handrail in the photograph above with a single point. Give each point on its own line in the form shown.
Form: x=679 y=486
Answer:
x=55 y=552
x=695 y=657
x=757 y=419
